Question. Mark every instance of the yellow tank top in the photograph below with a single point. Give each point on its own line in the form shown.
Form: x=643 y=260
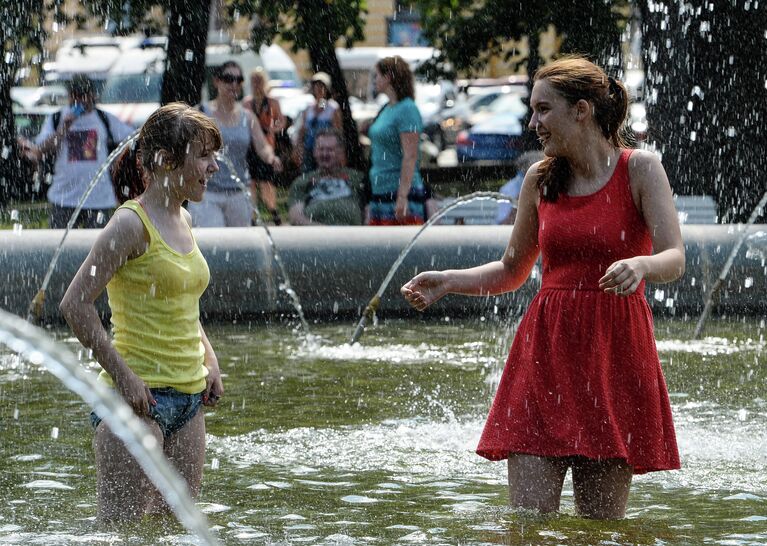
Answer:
x=155 y=303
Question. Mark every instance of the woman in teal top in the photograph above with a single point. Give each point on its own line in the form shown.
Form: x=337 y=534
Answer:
x=160 y=360
x=397 y=190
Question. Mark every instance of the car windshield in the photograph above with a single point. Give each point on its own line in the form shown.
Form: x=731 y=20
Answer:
x=288 y=78
x=127 y=88
x=508 y=103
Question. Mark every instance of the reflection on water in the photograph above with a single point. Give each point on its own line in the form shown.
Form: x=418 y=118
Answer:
x=320 y=442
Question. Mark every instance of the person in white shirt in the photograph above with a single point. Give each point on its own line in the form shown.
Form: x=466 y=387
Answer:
x=80 y=136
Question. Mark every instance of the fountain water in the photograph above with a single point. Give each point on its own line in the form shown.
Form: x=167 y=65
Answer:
x=286 y=280
x=35 y=346
x=371 y=307
x=36 y=305
x=727 y=266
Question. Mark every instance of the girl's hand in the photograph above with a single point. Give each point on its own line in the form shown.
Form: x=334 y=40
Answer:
x=135 y=393
x=425 y=288
x=400 y=208
x=622 y=278
x=214 y=387
x=277 y=164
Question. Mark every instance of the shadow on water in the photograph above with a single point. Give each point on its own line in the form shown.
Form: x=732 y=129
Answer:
x=36 y=347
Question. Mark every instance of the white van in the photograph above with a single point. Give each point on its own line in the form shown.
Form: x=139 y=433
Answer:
x=93 y=56
x=358 y=63
x=133 y=87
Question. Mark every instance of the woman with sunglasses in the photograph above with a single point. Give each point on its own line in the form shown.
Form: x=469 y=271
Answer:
x=225 y=204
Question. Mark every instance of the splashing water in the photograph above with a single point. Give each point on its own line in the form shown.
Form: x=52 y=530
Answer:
x=36 y=305
x=371 y=307
x=727 y=266
x=36 y=347
x=285 y=286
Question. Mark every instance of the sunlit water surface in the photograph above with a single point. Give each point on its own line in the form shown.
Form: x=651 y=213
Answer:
x=319 y=442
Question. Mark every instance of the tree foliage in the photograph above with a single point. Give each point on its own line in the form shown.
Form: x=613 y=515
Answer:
x=315 y=26
x=468 y=33
x=706 y=65
x=22 y=30
x=187 y=31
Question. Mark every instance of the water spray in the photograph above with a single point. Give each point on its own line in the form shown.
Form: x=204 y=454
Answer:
x=259 y=221
x=727 y=266
x=35 y=310
x=35 y=346
x=371 y=307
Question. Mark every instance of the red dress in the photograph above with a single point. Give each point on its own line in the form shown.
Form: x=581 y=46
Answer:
x=583 y=375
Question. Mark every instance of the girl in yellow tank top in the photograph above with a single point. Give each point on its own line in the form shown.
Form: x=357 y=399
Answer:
x=160 y=360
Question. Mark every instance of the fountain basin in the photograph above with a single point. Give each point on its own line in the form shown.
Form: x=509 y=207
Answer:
x=335 y=270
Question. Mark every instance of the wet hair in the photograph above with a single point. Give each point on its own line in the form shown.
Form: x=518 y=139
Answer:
x=171 y=129
x=219 y=70
x=398 y=72
x=576 y=78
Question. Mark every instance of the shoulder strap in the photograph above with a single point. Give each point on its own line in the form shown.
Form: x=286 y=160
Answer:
x=136 y=207
x=111 y=144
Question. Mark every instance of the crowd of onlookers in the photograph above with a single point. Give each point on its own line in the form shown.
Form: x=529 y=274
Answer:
x=75 y=143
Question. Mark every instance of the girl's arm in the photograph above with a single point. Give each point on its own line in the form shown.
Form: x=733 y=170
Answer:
x=214 y=387
x=504 y=275
x=338 y=122
x=278 y=123
x=650 y=183
x=120 y=240
x=298 y=145
x=409 y=144
x=262 y=147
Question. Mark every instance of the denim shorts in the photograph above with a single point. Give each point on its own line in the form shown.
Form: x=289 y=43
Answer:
x=174 y=409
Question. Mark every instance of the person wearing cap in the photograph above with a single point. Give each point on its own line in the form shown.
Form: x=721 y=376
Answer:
x=80 y=137
x=323 y=114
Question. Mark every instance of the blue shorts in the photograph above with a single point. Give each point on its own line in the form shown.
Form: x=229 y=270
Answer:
x=174 y=409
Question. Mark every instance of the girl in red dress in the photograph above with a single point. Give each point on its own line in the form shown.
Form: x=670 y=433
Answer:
x=582 y=387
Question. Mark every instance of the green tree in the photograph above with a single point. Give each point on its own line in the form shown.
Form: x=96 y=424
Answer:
x=22 y=30
x=468 y=33
x=706 y=65
x=187 y=32
x=316 y=26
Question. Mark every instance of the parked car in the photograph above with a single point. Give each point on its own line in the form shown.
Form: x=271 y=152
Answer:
x=443 y=128
x=499 y=137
